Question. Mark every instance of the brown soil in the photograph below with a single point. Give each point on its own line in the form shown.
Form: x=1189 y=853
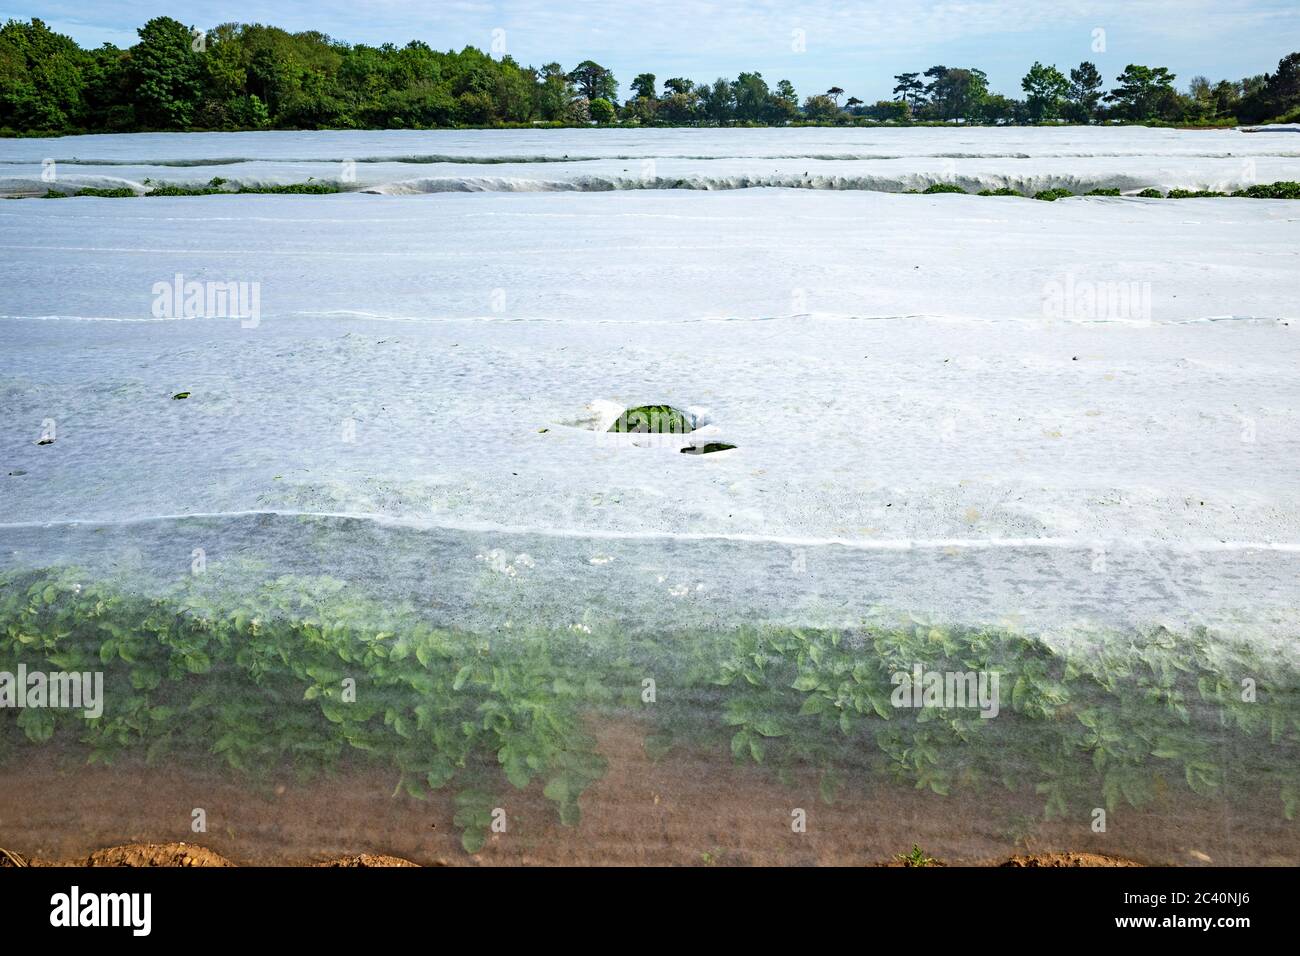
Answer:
x=133 y=854
x=176 y=854
x=1067 y=859
x=156 y=854
x=687 y=808
x=369 y=860
x=181 y=854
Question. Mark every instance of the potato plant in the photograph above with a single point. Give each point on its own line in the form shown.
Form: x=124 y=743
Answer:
x=265 y=683
x=306 y=673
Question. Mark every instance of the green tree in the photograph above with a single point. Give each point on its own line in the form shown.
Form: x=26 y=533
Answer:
x=750 y=96
x=957 y=93
x=594 y=81
x=1003 y=109
x=1045 y=89
x=254 y=76
x=42 y=78
x=1275 y=95
x=679 y=104
x=717 y=101
x=167 y=74
x=602 y=110
x=1200 y=104
x=910 y=89
x=1142 y=92
x=108 y=91
x=821 y=109
x=1084 y=96
x=644 y=86
x=554 y=93
x=782 y=104
x=1227 y=97
x=933 y=76
x=894 y=111
x=641 y=110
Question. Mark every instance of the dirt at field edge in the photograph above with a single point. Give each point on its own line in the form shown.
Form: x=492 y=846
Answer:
x=192 y=855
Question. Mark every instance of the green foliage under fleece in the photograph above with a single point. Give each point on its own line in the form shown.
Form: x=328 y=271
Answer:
x=1281 y=190
x=655 y=419
x=672 y=420
x=216 y=188
x=256 y=680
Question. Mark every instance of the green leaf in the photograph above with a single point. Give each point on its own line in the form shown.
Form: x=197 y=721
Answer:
x=473 y=839
x=813 y=705
x=768 y=727
x=740 y=743
x=37 y=723
x=440 y=774
x=517 y=770
x=559 y=788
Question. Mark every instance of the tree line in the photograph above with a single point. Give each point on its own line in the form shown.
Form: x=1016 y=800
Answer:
x=250 y=76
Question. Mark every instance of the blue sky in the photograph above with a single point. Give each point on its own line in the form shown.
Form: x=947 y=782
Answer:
x=854 y=44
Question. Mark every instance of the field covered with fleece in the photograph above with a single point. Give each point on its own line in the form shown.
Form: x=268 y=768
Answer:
x=1059 y=439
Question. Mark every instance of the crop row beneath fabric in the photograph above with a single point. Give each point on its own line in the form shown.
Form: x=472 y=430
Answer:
x=1276 y=190
x=305 y=671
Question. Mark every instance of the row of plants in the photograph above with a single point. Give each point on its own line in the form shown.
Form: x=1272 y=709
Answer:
x=305 y=672
x=1278 y=190
x=218 y=186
